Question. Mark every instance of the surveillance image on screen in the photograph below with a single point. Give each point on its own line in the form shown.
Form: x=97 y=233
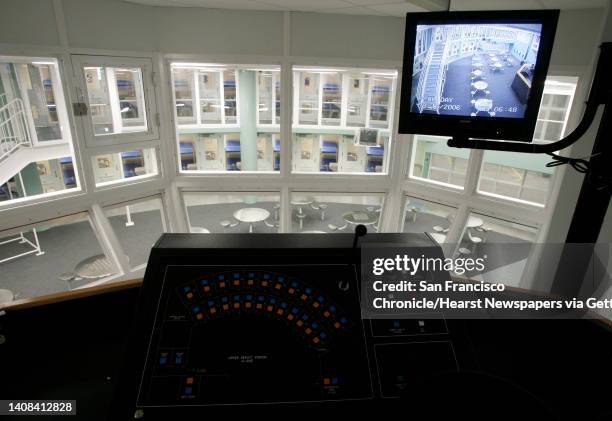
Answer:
x=476 y=69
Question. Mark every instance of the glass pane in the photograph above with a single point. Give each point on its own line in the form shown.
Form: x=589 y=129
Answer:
x=232 y=212
x=116 y=99
x=308 y=99
x=334 y=212
x=31 y=114
x=332 y=99
x=527 y=179
x=337 y=143
x=52 y=257
x=381 y=99
x=131 y=98
x=357 y=100
x=210 y=96
x=433 y=160
x=264 y=106
x=184 y=95
x=218 y=138
x=482 y=236
x=137 y=227
x=121 y=166
x=40 y=178
x=425 y=216
x=36 y=88
x=229 y=93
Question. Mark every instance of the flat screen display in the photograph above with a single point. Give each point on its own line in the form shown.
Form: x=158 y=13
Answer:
x=482 y=70
x=478 y=74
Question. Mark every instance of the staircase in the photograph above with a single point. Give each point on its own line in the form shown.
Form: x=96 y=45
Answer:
x=13 y=127
x=432 y=82
x=16 y=148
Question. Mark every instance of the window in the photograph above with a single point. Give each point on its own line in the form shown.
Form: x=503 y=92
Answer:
x=232 y=212
x=430 y=217
x=227 y=117
x=330 y=106
x=120 y=99
x=525 y=177
x=113 y=168
x=435 y=162
x=137 y=226
x=334 y=212
x=482 y=236
x=53 y=256
x=36 y=153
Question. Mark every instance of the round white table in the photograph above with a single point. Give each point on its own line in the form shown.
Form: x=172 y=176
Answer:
x=483 y=104
x=200 y=230
x=477 y=73
x=302 y=202
x=481 y=85
x=6 y=296
x=363 y=218
x=474 y=222
x=94 y=267
x=251 y=215
x=440 y=238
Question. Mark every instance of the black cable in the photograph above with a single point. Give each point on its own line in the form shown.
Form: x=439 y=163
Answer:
x=581 y=165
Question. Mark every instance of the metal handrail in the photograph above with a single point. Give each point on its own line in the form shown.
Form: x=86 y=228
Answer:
x=13 y=128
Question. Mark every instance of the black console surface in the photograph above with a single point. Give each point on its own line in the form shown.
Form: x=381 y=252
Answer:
x=174 y=349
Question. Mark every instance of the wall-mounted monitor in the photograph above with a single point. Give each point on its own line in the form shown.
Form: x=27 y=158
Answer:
x=366 y=137
x=475 y=74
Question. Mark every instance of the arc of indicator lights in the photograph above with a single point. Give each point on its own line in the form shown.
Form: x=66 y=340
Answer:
x=309 y=325
x=266 y=281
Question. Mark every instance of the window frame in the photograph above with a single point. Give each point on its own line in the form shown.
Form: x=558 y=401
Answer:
x=148 y=75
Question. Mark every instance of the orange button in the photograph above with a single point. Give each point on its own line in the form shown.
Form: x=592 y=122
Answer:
x=315 y=340
x=270 y=308
x=326 y=313
x=264 y=283
x=213 y=310
x=221 y=284
x=304 y=296
x=259 y=306
x=308 y=331
x=190 y=295
x=189 y=380
x=278 y=286
x=291 y=290
x=299 y=323
x=225 y=306
x=199 y=316
x=326 y=381
x=236 y=305
x=280 y=311
x=247 y=305
x=315 y=304
x=290 y=317
x=206 y=288
x=337 y=325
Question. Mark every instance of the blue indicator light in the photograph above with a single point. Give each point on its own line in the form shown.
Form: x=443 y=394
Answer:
x=188 y=390
x=249 y=297
x=211 y=303
x=332 y=308
x=320 y=299
x=186 y=289
x=295 y=311
x=343 y=321
x=323 y=335
x=308 y=290
x=314 y=325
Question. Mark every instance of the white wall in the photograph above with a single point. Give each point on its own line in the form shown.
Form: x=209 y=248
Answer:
x=118 y=25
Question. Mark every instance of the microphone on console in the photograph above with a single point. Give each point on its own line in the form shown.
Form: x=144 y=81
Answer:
x=360 y=231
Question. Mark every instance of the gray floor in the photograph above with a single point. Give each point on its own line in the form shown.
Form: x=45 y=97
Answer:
x=63 y=246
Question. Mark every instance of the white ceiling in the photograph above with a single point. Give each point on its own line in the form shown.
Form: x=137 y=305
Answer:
x=376 y=7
